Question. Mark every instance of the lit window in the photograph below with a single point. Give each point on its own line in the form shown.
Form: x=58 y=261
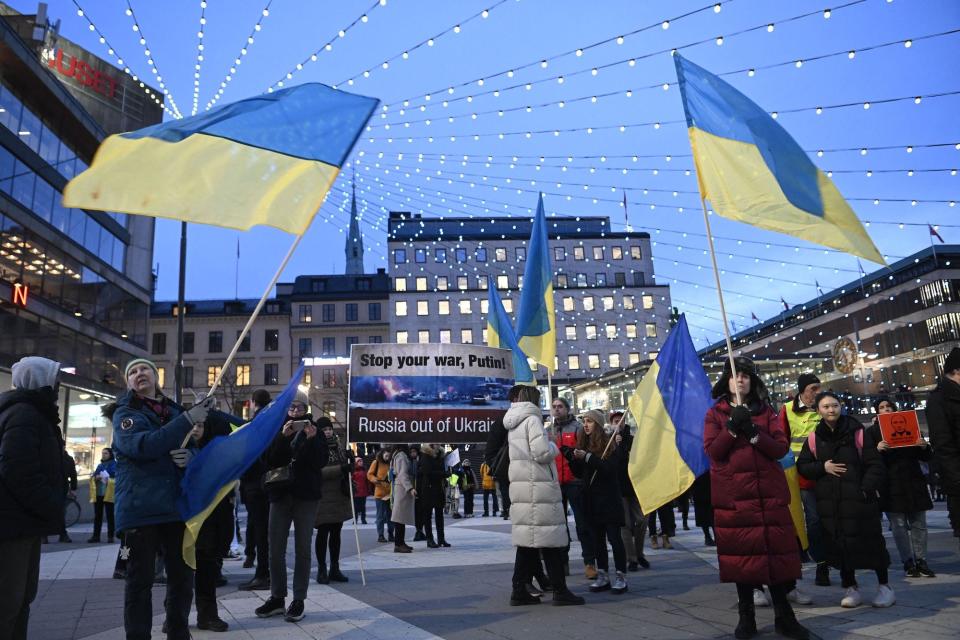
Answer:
x=628 y=302
x=423 y=336
x=466 y=336
x=443 y=308
x=500 y=254
x=212 y=373
x=402 y=337
x=466 y=308
x=648 y=302
x=442 y=283
x=568 y=303
x=653 y=355
x=631 y=329
x=482 y=283
x=633 y=358
x=573 y=362
x=571 y=332
x=562 y=281
x=503 y=282
x=400 y=284
x=635 y=252
x=588 y=303
x=400 y=308
x=651 y=330
x=616 y=253
x=484 y=305
x=591 y=332
x=508 y=305
x=444 y=336
x=306 y=313
x=614 y=360
x=598 y=253
x=161 y=376
x=607 y=302
x=578 y=253
x=421 y=283
x=559 y=254
x=243 y=375
x=423 y=308
x=462 y=283
x=484 y=336
x=611 y=331
x=581 y=279
x=593 y=361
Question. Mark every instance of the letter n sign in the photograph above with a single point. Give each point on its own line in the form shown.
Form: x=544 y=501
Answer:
x=20 y=294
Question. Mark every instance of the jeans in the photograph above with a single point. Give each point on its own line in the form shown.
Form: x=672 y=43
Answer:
x=98 y=508
x=360 y=509
x=302 y=514
x=468 y=502
x=600 y=534
x=910 y=534
x=213 y=542
x=258 y=530
x=383 y=517
x=635 y=529
x=572 y=494
x=143 y=543
x=328 y=533
x=814 y=535
x=487 y=493
x=19 y=578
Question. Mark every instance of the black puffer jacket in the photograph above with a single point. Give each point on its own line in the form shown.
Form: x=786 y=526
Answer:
x=905 y=489
x=943 y=419
x=311 y=457
x=848 y=506
x=602 y=501
x=32 y=474
x=430 y=478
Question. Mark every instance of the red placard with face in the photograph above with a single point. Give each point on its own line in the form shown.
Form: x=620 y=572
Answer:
x=900 y=428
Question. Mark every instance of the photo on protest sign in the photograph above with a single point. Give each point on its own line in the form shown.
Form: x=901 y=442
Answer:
x=426 y=393
x=900 y=428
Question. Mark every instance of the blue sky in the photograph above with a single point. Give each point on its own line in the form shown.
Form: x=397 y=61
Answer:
x=520 y=32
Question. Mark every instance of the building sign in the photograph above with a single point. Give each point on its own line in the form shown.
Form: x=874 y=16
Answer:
x=20 y=294
x=426 y=393
x=83 y=73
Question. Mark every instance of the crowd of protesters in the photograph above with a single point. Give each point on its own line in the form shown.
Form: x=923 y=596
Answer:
x=535 y=473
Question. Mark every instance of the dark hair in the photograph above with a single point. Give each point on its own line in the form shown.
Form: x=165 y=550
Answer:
x=323 y=422
x=826 y=394
x=514 y=391
x=527 y=393
x=758 y=390
x=261 y=397
x=108 y=450
x=564 y=401
x=401 y=447
x=882 y=399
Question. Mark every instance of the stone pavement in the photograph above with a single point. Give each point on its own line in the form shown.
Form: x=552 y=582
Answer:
x=462 y=593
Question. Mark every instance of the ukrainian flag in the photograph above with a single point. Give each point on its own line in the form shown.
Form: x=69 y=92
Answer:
x=751 y=170
x=266 y=160
x=789 y=464
x=669 y=407
x=536 y=319
x=213 y=473
x=500 y=335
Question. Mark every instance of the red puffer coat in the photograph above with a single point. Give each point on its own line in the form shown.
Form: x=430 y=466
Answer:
x=756 y=540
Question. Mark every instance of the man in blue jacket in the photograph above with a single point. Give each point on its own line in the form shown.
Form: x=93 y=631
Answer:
x=148 y=432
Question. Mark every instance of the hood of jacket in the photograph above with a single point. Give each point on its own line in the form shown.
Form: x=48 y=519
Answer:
x=949 y=389
x=44 y=399
x=34 y=372
x=429 y=450
x=518 y=412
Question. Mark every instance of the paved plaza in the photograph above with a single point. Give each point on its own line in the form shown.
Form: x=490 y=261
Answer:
x=462 y=593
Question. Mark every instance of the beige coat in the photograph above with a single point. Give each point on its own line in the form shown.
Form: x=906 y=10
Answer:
x=536 y=507
x=402 y=490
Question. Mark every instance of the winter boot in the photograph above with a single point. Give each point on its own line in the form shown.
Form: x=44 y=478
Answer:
x=565 y=598
x=322 y=576
x=335 y=575
x=785 y=623
x=666 y=543
x=747 y=625
x=654 y=543
x=520 y=597
x=823 y=575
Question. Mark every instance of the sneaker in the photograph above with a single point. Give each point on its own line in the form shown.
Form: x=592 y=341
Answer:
x=823 y=575
x=532 y=590
x=272 y=607
x=885 y=597
x=602 y=583
x=852 y=598
x=924 y=570
x=643 y=562
x=590 y=571
x=294 y=611
x=666 y=543
x=654 y=543
x=798 y=597
x=910 y=569
x=760 y=598
x=619 y=584
x=633 y=566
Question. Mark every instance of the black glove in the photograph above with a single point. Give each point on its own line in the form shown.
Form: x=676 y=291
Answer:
x=567 y=453
x=739 y=422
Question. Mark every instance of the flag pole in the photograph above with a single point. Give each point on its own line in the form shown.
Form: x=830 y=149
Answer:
x=181 y=310
x=356 y=531
x=723 y=309
x=253 y=317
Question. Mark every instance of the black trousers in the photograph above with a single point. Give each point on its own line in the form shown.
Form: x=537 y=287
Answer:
x=487 y=493
x=953 y=512
x=778 y=594
x=213 y=542
x=437 y=514
x=527 y=561
x=360 y=509
x=668 y=523
x=599 y=534
x=328 y=535
x=143 y=543
x=468 y=502
x=399 y=534
x=848 y=577
x=19 y=579
x=98 y=508
x=505 y=495
x=258 y=529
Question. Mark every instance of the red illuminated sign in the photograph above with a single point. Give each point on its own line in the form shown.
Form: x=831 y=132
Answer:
x=20 y=294
x=83 y=73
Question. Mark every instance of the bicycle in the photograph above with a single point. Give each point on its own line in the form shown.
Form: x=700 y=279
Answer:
x=71 y=512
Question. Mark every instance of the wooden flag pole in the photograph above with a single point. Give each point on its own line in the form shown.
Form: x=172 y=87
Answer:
x=613 y=435
x=253 y=317
x=723 y=309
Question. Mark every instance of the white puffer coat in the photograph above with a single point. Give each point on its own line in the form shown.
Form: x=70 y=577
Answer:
x=536 y=509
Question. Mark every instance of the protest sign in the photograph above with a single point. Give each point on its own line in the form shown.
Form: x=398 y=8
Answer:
x=426 y=393
x=900 y=428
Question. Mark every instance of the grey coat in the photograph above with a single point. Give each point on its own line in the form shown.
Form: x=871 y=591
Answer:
x=402 y=490
x=334 y=504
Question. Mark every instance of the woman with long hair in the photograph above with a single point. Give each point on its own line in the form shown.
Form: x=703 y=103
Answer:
x=379 y=477
x=334 y=505
x=596 y=461
x=756 y=539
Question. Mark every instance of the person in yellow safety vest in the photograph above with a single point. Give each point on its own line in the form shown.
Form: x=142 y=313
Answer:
x=489 y=485
x=800 y=418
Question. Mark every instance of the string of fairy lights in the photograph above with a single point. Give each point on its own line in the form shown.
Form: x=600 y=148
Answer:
x=151 y=63
x=199 y=62
x=241 y=55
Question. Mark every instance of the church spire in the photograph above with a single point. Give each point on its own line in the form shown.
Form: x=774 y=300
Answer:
x=354 y=246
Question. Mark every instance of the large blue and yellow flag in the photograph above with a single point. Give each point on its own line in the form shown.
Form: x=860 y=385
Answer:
x=669 y=407
x=536 y=319
x=213 y=472
x=751 y=170
x=265 y=160
x=500 y=334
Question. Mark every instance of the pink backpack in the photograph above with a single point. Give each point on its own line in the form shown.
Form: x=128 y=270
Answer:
x=857 y=438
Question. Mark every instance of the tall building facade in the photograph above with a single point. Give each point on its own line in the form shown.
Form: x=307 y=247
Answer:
x=75 y=284
x=610 y=313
